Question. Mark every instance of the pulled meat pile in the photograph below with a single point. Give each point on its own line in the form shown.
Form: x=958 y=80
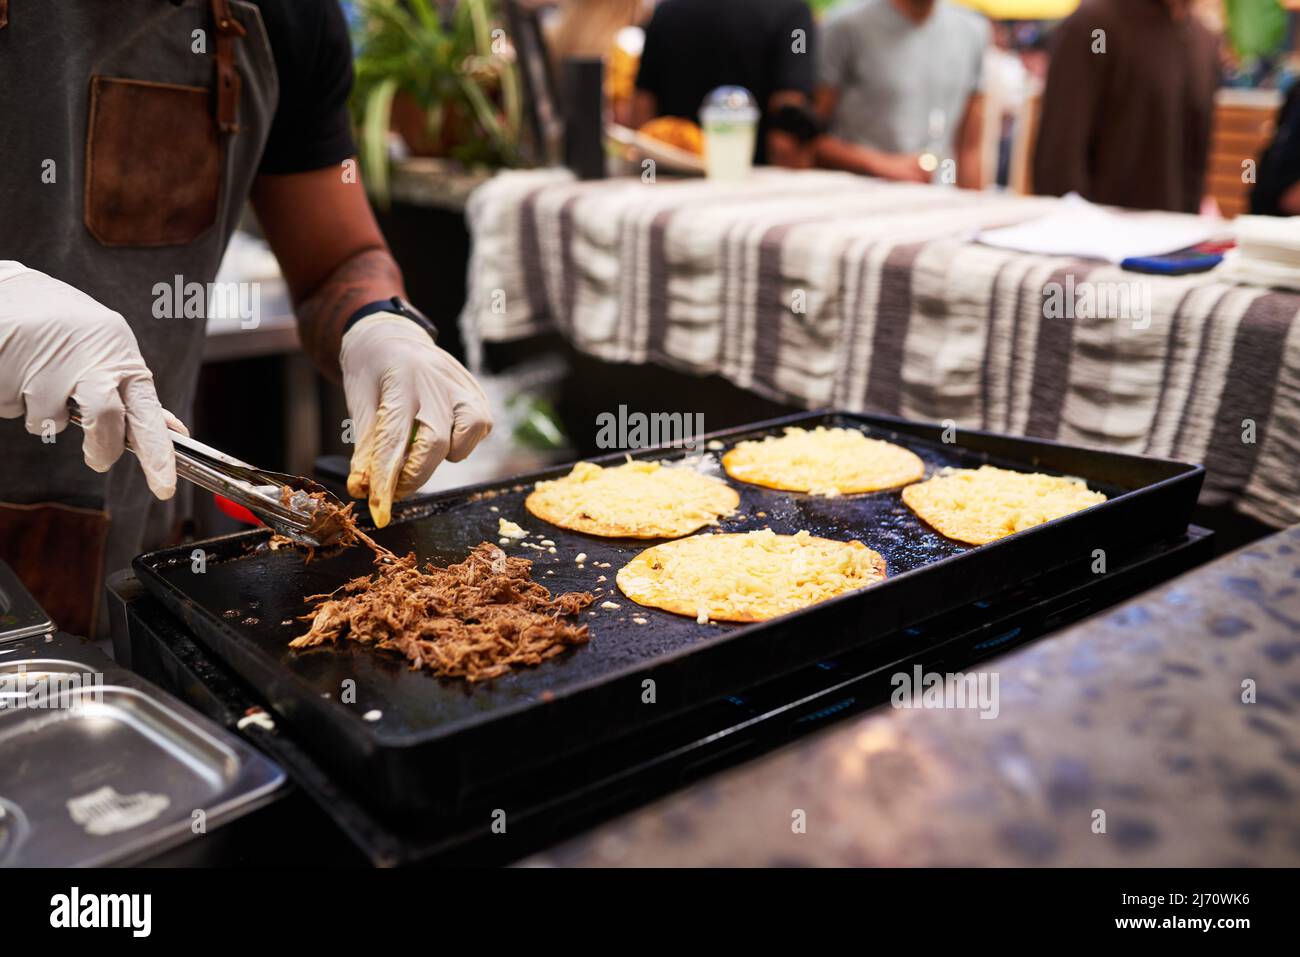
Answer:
x=473 y=620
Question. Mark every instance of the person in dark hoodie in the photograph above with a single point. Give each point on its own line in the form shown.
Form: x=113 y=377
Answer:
x=1127 y=108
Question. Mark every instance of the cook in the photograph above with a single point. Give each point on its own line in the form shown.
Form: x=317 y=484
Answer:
x=134 y=132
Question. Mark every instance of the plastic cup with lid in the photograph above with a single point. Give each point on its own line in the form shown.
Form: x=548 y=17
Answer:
x=729 y=117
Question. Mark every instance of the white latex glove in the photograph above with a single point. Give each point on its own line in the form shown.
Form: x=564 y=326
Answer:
x=56 y=343
x=398 y=382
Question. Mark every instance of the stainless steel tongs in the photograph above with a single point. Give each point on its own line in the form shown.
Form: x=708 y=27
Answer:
x=258 y=490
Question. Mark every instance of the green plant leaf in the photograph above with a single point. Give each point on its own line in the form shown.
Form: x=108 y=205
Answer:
x=440 y=57
x=427 y=15
x=1255 y=28
x=378 y=119
x=482 y=31
x=513 y=101
x=484 y=112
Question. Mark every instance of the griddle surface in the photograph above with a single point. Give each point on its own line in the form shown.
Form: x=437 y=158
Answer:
x=250 y=597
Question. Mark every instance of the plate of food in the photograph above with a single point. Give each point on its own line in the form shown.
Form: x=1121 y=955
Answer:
x=673 y=143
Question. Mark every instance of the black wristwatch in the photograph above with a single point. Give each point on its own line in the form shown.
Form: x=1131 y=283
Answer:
x=398 y=306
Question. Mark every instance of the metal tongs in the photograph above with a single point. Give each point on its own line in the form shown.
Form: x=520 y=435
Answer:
x=258 y=490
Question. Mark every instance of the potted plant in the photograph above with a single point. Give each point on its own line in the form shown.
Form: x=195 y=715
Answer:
x=441 y=75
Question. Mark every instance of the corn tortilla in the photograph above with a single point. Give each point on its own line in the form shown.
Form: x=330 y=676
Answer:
x=750 y=576
x=633 y=500
x=823 y=461
x=978 y=506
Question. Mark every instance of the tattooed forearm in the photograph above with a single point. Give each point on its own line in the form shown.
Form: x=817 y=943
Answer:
x=363 y=278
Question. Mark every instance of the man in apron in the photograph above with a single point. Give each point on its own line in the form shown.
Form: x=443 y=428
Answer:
x=131 y=134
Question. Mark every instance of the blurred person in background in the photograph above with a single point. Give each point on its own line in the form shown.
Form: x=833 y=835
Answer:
x=1127 y=108
x=589 y=28
x=1277 y=185
x=601 y=29
x=899 y=83
x=692 y=47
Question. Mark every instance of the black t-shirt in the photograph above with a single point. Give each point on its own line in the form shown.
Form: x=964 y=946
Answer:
x=313 y=58
x=694 y=46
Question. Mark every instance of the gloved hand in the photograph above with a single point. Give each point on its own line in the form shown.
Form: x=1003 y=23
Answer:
x=397 y=380
x=56 y=343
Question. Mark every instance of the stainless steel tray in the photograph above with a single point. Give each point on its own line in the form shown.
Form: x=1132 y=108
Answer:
x=28 y=680
x=20 y=615
x=93 y=772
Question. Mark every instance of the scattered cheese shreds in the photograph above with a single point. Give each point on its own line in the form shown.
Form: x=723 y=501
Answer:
x=509 y=529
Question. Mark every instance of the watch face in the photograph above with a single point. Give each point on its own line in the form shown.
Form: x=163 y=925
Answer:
x=415 y=315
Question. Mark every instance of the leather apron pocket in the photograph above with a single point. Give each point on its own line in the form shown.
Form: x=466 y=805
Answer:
x=57 y=552
x=153 y=163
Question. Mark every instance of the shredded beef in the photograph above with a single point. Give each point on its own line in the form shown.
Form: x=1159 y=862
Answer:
x=474 y=620
x=332 y=525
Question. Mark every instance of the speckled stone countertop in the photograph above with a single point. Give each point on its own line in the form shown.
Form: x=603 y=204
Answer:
x=1165 y=732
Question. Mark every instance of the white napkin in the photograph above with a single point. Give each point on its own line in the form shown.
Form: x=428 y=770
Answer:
x=1080 y=228
x=1272 y=238
x=1267 y=253
x=1241 y=268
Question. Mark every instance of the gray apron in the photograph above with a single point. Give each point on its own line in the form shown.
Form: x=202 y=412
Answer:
x=149 y=117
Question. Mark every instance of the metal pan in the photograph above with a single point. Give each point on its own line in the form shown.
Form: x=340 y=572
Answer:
x=20 y=614
x=93 y=772
x=129 y=778
x=410 y=741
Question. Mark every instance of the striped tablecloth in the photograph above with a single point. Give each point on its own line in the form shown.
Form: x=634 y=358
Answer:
x=825 y=289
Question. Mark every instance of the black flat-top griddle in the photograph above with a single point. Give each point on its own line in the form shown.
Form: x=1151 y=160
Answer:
x=411 y=741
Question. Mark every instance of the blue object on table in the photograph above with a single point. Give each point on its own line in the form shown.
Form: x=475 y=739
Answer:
x=1181 y=263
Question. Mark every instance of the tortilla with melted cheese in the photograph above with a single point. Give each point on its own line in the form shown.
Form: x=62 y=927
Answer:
x=978 y=506
x=750 y=576
x=633 y=500
x=824 y=462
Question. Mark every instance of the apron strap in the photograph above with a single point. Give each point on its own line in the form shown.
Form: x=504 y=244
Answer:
x=228 y=82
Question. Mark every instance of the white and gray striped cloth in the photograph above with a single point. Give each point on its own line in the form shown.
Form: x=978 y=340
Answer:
x=825 y=289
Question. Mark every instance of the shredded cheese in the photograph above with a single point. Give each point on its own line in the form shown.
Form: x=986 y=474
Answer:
x=823 y=461
x=984 y=504
x=747 y=577
x=510 y=530
x=635 y=500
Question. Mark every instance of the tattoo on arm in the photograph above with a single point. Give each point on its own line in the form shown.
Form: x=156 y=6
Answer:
x=368 y=275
